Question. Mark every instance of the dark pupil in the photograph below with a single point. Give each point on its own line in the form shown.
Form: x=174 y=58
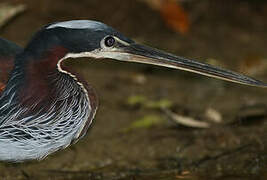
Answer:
x=109 y=41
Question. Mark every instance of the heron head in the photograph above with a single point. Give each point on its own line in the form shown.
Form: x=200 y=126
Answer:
x=86 y=38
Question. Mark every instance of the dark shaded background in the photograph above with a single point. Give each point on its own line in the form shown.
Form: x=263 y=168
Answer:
x=230 y=32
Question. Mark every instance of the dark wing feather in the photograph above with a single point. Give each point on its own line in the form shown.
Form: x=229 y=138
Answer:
x=8 y=51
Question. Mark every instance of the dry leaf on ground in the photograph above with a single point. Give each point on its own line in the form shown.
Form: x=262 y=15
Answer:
x=8 y=11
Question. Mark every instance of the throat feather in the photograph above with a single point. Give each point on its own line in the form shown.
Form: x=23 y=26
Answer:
x=88 y=91
x=63 y=69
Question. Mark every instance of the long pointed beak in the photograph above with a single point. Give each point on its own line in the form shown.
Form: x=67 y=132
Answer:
x=144 y=54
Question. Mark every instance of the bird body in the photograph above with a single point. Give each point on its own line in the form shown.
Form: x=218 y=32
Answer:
x=46 y=106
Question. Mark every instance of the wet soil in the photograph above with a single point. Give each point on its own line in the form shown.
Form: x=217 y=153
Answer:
x=227 y=31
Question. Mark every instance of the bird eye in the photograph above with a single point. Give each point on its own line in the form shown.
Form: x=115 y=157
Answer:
x=109 y=41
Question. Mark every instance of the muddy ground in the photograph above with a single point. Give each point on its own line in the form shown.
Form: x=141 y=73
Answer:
x=227 y=31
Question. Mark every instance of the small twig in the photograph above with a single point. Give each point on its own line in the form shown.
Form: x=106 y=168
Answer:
x=185 y=120
x=220 y=155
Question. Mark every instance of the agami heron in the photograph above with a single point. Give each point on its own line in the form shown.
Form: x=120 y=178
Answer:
x=45 y=107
